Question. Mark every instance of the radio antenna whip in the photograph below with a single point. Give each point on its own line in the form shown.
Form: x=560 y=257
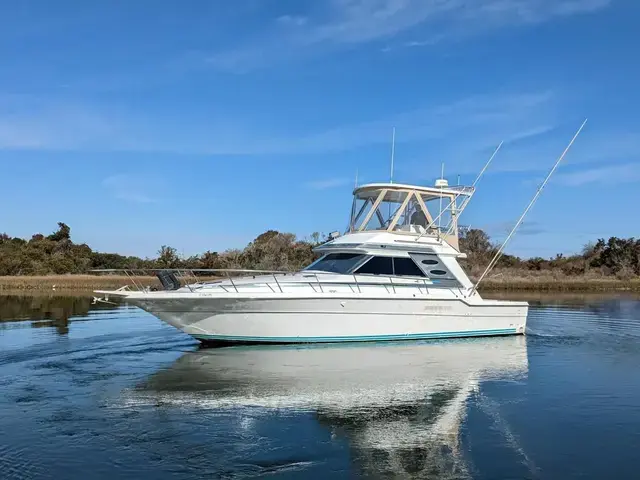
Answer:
x=486 y=165
x=393 y=151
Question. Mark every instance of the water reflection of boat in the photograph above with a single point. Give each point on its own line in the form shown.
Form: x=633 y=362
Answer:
x=400 y=405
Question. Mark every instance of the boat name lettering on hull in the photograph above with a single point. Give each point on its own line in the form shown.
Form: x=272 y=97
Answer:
x=437 y=308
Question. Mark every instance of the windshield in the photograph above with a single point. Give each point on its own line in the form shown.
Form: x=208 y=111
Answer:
x=365 y=216
x=401 y=210
x=336 y=262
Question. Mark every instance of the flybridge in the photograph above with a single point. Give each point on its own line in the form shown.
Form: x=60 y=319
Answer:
x=410 y=209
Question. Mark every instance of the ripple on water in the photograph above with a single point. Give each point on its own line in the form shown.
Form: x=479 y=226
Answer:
x=114 y=392
x=16 y=463
x=600 y=322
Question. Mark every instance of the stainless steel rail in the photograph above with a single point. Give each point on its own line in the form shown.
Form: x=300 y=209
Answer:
x=318 y=283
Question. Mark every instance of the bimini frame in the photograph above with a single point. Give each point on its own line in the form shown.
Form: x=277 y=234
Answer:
x=388 y=192
x=449 y=231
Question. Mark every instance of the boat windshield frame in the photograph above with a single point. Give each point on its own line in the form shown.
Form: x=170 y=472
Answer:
x=407 y=210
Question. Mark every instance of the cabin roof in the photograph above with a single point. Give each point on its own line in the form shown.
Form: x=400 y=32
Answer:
x=431 y=191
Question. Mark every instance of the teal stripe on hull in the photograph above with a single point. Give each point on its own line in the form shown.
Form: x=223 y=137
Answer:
x=365 y=338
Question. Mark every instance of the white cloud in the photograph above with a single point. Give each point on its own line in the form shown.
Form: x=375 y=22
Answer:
x=326 y=184
x=40 y=124
x=292 y=20
x=591 y=147
x=27 y=122
x=502 y=229
x=422 y=43
x=129 y=188
x=482 y=120
x=462 y=133
x=344 y=23
x=358 y=21
x=609 y=175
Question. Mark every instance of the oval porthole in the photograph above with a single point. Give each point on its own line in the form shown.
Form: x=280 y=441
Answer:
x=438 y=272
x=429 y=262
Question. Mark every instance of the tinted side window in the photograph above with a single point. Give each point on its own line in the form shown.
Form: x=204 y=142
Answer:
x=336 y=262
x=377 y=266
x=406 y=266
x=391 y=266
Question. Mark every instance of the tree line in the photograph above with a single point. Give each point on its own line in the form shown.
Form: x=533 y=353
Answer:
x=58 y=254
x=615 y=257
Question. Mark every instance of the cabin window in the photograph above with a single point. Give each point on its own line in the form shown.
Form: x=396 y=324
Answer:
x=390 y=266
x=437 y=272
x=377 y=266
x=336 y=262
x=406 y=267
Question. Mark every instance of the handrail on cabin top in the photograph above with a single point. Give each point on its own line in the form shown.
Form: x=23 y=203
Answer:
x=272 y=273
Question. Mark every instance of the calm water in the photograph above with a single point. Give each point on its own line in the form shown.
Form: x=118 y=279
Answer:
x=103 y=392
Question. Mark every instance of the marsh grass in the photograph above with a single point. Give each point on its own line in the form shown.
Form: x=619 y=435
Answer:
x=523 y=280
x=71 y=282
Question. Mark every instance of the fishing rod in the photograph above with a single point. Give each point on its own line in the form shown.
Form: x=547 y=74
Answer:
x=486 y=165
x=498 y=254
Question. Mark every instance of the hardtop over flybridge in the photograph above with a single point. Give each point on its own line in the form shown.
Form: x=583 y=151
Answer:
x=393 y=275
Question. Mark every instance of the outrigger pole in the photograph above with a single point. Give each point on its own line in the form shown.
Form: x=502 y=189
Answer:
x=498 y=254
x=486 y=165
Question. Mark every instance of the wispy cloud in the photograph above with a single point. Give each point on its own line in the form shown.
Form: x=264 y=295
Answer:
x=292 y=20
x=28 y=122
x=327 y=183
x=463 y=133
x=611 y=148
x=41 y=124
x=128 y=188
x=606 y=175
x=343 y=23
x=479 y=120
x=502 y=229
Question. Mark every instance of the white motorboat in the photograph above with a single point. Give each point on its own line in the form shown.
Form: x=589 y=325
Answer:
x=393 y=275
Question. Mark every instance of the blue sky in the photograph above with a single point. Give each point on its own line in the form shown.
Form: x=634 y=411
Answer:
x=201 y=124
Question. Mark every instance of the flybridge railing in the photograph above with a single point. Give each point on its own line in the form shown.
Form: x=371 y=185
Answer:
x=172 y=279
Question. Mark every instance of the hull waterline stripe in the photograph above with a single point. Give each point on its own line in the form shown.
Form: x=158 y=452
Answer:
x=356 y=338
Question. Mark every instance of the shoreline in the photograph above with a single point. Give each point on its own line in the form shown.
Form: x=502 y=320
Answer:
x=88 y=283
x=69 y=283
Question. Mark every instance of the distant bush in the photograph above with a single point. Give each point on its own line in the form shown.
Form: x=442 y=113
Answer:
x=616 y=257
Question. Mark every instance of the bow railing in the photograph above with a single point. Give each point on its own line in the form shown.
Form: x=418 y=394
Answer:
x=195 y=279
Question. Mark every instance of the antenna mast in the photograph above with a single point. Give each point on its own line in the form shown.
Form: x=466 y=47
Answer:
x=498 y=254
x=393 y=151
x=441 y=185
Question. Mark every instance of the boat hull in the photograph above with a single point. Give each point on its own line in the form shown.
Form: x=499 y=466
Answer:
x=315 y=320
